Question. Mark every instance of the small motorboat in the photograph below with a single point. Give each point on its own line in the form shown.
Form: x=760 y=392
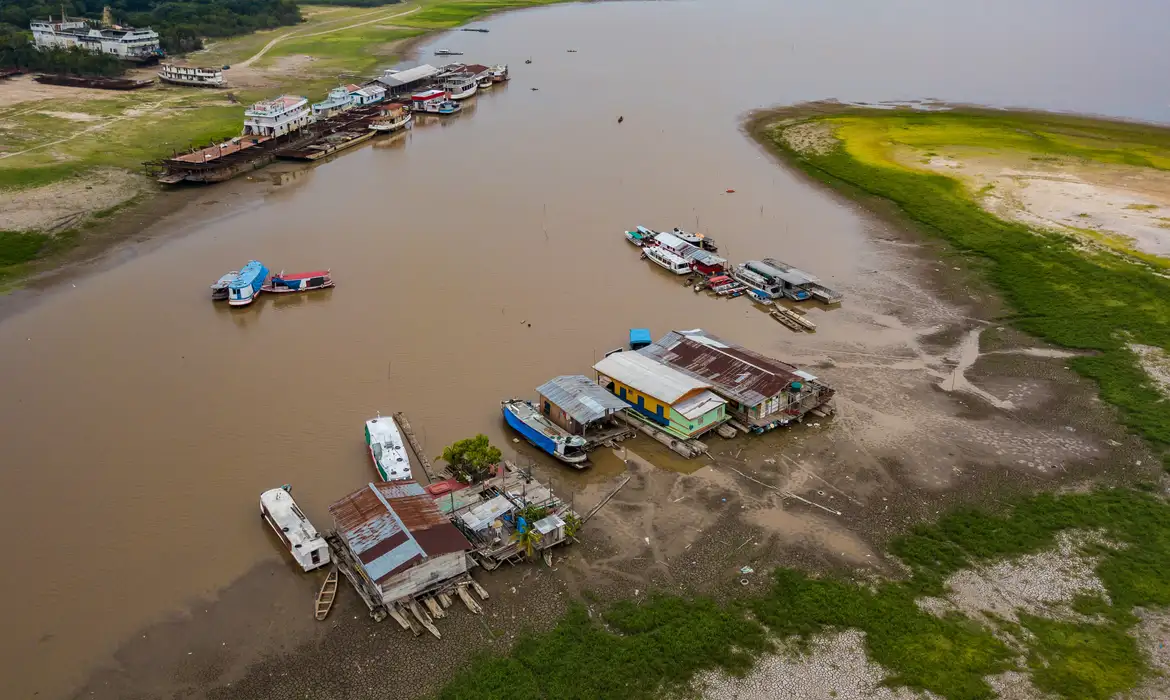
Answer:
x=449 y=107
x=448 y=52
x=387 y=449
x=641 y=236
x=219 y=290
x=327 y=594
x=298 y=282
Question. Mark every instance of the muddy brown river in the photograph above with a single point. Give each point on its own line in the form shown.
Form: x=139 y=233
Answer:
x=475 y=258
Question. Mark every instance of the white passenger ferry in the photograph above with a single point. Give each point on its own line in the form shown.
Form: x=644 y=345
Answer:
x=127 y=43
x=277 y=117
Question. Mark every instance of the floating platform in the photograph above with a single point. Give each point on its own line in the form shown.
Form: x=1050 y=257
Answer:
x=327 y=145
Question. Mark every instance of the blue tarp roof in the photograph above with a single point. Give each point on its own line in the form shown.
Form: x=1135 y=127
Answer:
x=640 y=335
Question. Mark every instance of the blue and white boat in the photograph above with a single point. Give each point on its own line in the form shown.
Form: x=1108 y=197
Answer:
x=219 y=290
x=544 y=434
x=449 y=107
x=641 y=236
x=245 y=288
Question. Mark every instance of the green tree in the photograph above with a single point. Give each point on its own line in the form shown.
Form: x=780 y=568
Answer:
x=528 y=539
x=472 y=458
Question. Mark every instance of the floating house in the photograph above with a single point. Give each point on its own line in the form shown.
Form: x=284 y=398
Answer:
x=365 y=95
x=337 y=101
x=679 y=404
x=762 y=393
x=578 y=404
x=394 y=544
x=402 y=82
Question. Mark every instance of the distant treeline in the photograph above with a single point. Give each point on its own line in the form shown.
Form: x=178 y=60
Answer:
x=181 y=24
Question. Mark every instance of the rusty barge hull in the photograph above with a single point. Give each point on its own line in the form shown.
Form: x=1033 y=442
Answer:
x=94 y=83
x=249 y=157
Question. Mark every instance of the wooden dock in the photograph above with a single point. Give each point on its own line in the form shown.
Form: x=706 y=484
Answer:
x=404 y=425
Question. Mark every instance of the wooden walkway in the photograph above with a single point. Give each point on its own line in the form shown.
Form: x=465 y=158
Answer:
x=404 y=424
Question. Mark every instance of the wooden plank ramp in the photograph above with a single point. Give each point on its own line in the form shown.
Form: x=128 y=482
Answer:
x=327 y=594
x=404 y=425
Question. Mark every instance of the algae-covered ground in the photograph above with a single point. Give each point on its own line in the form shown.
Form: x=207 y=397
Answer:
x=1105 y=299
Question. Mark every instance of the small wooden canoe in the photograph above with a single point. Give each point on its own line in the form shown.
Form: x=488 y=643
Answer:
x=327 y=594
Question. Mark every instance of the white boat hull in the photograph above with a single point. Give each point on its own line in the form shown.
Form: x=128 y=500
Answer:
x=468 y=92
x=387 y=127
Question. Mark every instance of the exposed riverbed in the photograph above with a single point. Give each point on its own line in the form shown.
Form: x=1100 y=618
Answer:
x=476 y=258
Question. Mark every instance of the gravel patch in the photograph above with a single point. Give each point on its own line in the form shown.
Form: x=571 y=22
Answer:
x=813 y=138
x=1039 y=584
x=1156 y=363
x=835 y=666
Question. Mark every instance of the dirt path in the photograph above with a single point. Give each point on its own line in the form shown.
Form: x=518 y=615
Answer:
x=97 y=127
x=267 y=47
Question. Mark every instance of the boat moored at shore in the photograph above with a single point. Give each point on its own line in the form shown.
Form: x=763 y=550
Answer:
x=500 y=73
x=523 y=417
x=387 y=449
x=244 y=289
x=641 y=236
x=393 y=117
x=306 y=545
x=460 y=86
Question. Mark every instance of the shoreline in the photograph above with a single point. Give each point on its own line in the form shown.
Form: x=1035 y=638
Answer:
x=102 y=234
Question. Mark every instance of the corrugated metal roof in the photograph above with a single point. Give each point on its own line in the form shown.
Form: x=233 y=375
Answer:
x=392 y=526
x=698 y=405
x=734 y=372
x=581 y=397
x=648 y=376
x=410 y=75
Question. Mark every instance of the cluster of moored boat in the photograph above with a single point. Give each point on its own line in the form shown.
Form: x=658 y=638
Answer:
x=765 y=281
x=241 y=287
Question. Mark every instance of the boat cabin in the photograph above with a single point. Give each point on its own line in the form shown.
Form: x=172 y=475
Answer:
x=366 y=95
x=298 y=535
x=428 y=101
x=666 y=259
x=640 y=338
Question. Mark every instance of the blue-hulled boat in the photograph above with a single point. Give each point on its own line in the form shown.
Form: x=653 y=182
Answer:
x=544 y=434
x=246 y=287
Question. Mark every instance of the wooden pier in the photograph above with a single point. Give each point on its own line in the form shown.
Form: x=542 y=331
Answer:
x=404 y=426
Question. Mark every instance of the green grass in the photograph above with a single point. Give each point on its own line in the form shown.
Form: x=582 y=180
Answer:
x=356 y=51
x=647 y=650
x=1059 y=293
x=18 y=247
x=452 y=14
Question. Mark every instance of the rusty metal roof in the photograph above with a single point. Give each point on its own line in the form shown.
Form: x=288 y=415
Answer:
x=734 y=372
x=393 y=526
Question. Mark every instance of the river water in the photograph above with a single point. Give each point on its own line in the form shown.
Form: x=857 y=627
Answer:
x=474 y=259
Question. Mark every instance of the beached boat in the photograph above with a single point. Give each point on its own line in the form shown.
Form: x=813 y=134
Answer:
x=327 y=594
x=448 y=52
x=392 y=118
x=246 y=287
x=280 y=511
x=500 y=73
x=219 y=290
x=543 y=433
x=667 y=260
x=387 y=449
x=640 y=236
x=298 y=282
